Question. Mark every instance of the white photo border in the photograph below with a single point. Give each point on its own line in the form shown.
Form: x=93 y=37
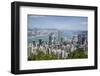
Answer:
x=26 y=65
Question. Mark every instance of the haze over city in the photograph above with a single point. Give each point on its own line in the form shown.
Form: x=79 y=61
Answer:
x=57 y=37
x=58 y=22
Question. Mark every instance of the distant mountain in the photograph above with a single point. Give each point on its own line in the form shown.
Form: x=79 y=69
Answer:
x=42 y=29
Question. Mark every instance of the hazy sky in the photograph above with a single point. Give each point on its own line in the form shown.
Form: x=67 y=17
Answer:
x=58 y=22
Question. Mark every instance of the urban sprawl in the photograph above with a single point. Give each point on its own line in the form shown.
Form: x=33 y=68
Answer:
x=52 y=41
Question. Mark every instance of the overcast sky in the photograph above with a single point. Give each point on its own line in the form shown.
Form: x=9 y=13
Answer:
x=58 y=22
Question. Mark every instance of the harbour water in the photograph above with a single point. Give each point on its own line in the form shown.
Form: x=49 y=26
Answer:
x=66 y=34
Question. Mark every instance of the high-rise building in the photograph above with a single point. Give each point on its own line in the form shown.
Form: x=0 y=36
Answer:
x=79 y=39
x=34 y=43
x=50 y=38
x=59 y=36
x=29 y=49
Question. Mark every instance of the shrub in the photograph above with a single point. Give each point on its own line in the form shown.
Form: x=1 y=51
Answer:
x=79 y=53
x=42 y=56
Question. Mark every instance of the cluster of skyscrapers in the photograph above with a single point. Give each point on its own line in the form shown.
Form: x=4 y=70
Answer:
x=53 y=41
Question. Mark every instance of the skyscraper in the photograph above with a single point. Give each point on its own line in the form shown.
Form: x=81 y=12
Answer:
x=59 y=36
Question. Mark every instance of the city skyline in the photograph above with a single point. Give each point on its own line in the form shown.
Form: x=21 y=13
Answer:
x=58 y=22
x=57 y=37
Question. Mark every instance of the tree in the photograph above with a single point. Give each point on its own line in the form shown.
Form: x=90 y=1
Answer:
x=78 y=53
